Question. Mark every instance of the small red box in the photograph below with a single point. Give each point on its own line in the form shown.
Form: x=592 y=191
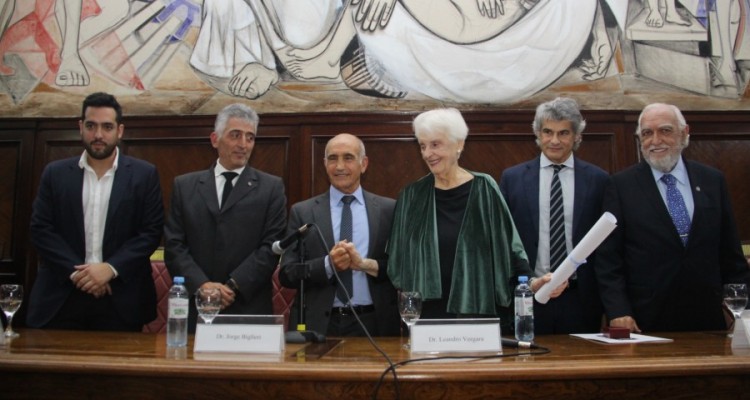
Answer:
x=614 y=332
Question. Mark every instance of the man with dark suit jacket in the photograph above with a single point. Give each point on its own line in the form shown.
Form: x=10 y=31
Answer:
x=96 y=220
x=223 y=221
x=558 y=127
x=656 y=274
x=373 y=297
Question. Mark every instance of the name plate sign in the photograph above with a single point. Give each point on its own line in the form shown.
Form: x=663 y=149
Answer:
x=241 y=334
x=476 y=335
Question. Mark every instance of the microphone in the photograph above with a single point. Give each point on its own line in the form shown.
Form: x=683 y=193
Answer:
x=280 y=246
x=517 y=344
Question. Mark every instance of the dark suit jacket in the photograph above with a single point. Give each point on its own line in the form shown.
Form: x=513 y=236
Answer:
x=643 y=268
x=133 y=231
x=204 y=243
x=520 y=187
x=319 y=290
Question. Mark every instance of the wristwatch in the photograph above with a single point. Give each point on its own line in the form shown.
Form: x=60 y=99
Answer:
x=232 y=284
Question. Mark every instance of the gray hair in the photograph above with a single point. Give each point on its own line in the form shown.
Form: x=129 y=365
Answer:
x=445 y=120
x=236 y=110
x=681 y=123
x=560 y=109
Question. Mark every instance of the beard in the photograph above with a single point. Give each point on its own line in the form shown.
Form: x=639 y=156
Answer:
x=102 y=153
x=667 y=163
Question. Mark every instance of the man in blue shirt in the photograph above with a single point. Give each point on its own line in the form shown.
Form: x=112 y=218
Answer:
x=360 y=257
x=676 y=240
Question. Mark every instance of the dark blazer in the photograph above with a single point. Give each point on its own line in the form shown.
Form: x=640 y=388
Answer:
x=204 y=243
x=643 y=268
x=520 y=187
x=319 y=290
x=133 y=231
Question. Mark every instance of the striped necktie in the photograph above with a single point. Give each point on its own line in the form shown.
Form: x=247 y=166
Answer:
x=557 y=249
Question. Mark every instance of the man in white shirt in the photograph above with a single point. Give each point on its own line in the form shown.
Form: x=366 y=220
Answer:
x=223 y=220
x=96 y=220
x=529 y=190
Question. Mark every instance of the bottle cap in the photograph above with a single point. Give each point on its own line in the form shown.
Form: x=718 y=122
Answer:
x=523 y=279
x=178 y=280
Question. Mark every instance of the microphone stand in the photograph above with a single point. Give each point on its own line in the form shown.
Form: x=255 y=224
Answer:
x=301 y=272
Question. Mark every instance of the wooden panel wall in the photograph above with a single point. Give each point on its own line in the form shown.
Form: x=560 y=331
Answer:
x=292 y=146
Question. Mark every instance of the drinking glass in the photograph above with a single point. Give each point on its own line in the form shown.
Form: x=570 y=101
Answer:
x=410 y=307
x=735 y=298
x=208 y=303
x=11 y=297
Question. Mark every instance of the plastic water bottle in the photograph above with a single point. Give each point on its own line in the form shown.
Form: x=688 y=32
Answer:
x=177 y=317
x=524 y=302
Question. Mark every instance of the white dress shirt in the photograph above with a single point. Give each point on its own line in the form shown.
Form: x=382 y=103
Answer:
x=95 y=196
x=567 y=182
x=221 y=180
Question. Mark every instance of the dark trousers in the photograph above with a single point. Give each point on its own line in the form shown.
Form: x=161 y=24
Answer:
x=82 y=311
x=347 y=325
x=566 y=314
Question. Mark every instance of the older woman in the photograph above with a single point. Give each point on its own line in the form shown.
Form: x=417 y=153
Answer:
x=453 y=238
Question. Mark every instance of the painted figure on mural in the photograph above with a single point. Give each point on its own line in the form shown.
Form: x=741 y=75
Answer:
x=119 y=40
x=657 y=16
x=76 y=29
x=470 y=30
x=239 y=41
x=78 y=21
x=719 y=24
x=487 y=63
x=466 y=51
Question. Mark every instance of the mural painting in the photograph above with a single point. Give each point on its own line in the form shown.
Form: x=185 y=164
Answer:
x=192 y=56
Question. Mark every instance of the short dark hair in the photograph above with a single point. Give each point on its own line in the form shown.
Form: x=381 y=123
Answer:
x=101 y=99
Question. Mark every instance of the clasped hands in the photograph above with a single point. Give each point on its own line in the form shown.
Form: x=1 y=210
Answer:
x=344 y=255
x=93 y=278
x=227 y=294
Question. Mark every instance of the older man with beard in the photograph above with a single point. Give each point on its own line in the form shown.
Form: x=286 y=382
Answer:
x=676 y=242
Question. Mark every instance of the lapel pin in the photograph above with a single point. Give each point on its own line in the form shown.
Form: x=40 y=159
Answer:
x=249 y=184
x=697 y=188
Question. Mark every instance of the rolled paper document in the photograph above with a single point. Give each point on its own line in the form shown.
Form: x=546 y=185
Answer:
x=595 y=236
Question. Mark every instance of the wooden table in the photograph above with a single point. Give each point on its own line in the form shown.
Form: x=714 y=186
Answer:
x=68 y=364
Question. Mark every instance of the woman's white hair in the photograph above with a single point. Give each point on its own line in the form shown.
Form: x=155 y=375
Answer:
x=444 y=120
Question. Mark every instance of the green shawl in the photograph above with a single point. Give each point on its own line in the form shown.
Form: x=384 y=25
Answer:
x=488 y=254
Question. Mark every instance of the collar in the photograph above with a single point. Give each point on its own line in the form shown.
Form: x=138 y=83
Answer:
x=679 y=172
x=336 y=195
x=83 y=162
x=218 y=169
x=545 y=162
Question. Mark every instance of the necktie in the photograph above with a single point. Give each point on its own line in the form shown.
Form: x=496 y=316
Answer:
x=557 y=249
x=228 y=176
x=677 y=209
x=346 y=233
